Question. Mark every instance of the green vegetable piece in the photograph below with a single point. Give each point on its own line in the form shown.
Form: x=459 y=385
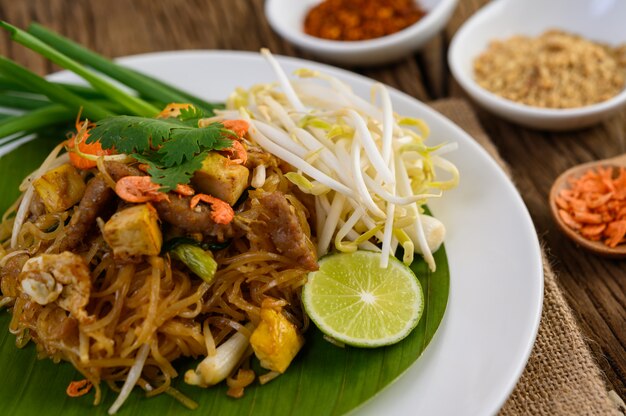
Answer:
x=145 y=85
x=132 y=103
x=173 y=148
x=199 y=261
x=56 y=93
x=35 y=120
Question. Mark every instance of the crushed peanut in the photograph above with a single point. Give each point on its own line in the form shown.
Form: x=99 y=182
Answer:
x=554 y=70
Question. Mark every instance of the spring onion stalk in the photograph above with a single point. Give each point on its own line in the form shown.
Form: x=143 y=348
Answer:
x=368 y=168
x=133 y=104
x=36 y=119
x=144 y=85
x=199 y=261
x=54 y=92
x=215 y=368
x=22 y=102
x=7 y=84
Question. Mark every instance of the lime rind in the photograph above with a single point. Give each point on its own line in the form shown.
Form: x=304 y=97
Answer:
x=352 y=300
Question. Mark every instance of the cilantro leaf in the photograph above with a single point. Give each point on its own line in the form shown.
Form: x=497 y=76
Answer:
x=130 y=134
x=186 y=143
x=173 y=148
x=171 y=176
x=190 y=113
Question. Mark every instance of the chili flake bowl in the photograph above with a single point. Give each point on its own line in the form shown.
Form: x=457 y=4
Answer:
x=598 y=21
x=286 y=17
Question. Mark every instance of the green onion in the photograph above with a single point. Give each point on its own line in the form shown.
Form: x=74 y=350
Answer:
x=145 y=85
x=182 y=398
x=55 y=93
x=199 y=261
x=21 y=102
x=134 y=104
x=36 y=119
x=8 y=85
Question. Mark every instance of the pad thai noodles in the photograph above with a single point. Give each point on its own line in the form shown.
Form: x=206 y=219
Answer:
x=107 y=265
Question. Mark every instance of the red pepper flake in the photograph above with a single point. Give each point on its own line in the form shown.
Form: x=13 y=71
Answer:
x=595 y=205
x=78 y=388
x=350 y=20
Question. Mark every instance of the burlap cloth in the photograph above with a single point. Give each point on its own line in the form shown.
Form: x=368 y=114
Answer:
x=561 y=377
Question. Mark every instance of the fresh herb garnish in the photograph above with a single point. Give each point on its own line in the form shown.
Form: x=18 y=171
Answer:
x=173 y=148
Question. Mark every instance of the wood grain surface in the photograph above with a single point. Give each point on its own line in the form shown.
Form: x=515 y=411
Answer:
x=594 y=287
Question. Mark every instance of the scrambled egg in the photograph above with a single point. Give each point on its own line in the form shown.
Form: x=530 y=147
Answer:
x=275 y=341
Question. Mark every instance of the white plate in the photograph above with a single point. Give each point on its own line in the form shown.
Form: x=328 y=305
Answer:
x=496 y=286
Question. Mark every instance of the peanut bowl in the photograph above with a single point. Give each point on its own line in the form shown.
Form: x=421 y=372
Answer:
x=597 y=21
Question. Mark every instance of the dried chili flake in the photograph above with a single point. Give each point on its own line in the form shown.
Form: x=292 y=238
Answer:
x=351 y=20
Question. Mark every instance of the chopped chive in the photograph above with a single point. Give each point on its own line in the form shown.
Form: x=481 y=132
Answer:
x=145 y=85
x=55 y=93
x=21 y=102
x=9 y=85
x=134 y=104
x=36 y=119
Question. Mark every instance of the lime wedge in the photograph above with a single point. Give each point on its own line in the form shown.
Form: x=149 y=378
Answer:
x=351 y=299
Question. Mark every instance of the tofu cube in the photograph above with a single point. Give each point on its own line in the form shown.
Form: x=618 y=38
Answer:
x=134 y=231
x=60 y=188
x=275 y=341
x=221 y=178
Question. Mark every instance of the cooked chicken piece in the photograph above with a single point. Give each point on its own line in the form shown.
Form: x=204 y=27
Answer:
x=60 y=188
x=134 y=231
x=61 y=278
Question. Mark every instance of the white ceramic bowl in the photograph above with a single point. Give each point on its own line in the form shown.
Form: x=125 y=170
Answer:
x=597 y=20
x=287 y=18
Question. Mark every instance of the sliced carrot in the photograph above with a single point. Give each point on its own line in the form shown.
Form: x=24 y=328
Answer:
x=78 y=388
x=75 y=143
x=221 y=212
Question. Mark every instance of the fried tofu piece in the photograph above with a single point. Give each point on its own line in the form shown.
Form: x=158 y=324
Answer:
x=275 y=340
x=134 y=231
x=60 y=188
x=221 y=178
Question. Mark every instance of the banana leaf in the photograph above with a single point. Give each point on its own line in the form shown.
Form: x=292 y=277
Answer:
x=323 y=379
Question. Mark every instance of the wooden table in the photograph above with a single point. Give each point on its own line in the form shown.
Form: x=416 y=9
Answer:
x=594 y=287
